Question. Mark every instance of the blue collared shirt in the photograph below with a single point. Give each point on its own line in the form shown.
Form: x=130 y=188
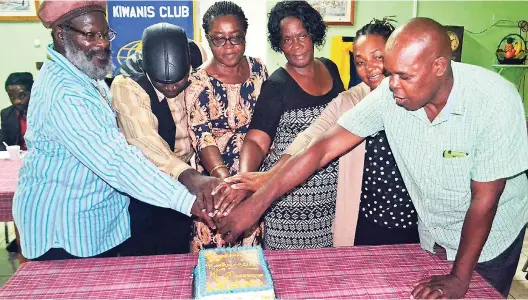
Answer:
x=484 y=122
x=79 y=170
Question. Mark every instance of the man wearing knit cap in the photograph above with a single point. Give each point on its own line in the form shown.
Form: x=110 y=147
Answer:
x=72 y=196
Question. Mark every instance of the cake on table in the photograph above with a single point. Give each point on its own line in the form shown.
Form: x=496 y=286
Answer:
x=232 y=273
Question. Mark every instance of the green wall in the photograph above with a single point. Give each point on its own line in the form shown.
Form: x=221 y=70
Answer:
x=20 y=54
x=479 y=49
x=475 y=16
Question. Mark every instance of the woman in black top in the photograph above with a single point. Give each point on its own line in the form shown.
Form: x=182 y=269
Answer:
x=290 y=100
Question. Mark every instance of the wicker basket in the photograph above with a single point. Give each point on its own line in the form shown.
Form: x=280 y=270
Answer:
x=506 y=56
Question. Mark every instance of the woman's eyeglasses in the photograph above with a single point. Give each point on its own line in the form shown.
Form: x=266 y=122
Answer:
x=221 y=41
x=94 y=36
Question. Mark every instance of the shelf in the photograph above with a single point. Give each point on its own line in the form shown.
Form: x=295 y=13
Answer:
x=502 y=67
x=510 y=66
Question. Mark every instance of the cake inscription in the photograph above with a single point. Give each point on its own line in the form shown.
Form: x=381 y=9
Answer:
x=233 y=270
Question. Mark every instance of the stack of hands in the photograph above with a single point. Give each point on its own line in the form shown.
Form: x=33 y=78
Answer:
x=228 y=206
x=219 y=203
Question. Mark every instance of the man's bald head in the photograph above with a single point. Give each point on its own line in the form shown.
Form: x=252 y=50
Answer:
x=418 y=55
x=424 y=36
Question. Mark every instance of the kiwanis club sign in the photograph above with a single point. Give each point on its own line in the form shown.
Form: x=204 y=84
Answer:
x=129 y=18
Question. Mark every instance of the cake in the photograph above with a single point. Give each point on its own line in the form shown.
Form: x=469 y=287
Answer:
x=232 y=273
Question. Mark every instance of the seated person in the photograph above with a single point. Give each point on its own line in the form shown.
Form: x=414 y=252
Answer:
x=18 y=88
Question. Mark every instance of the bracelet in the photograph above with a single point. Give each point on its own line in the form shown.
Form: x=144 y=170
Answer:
x=217 y=167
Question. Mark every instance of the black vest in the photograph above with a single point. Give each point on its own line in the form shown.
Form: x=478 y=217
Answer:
x=166 y=124
x=173 y=221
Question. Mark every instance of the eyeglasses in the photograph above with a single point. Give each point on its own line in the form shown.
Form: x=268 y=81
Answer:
x=94 y=36
x=221 y=41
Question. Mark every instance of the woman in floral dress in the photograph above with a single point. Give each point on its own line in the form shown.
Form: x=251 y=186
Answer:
x=220 y=101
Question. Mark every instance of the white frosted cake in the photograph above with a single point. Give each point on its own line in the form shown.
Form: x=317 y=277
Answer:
x=233 y=273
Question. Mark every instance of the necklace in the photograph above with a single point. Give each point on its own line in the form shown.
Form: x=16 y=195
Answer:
x=102 y=91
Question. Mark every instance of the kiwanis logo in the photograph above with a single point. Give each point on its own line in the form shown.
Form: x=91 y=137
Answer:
x=128 y=50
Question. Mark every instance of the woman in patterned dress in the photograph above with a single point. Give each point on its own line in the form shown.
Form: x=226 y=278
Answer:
x=383 y=212
x=291 y=99
x=220 y=100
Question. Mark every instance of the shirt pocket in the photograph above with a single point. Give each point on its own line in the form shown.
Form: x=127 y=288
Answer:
x=456 y=174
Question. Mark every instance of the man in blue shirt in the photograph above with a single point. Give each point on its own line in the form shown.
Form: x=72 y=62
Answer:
x=72 y=200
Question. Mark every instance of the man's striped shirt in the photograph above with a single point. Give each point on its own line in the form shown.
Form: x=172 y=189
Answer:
x=79 y=170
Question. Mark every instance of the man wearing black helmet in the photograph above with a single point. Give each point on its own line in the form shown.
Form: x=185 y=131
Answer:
x=148 y=99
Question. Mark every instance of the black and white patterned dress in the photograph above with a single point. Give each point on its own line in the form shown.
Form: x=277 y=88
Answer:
x=303 y=217
x=386 y=213
x=384 y=197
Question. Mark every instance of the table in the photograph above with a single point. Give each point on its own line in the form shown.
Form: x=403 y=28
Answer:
x=349 y=272
x=8 y=182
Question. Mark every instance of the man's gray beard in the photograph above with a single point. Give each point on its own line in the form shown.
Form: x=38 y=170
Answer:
x=81 y=60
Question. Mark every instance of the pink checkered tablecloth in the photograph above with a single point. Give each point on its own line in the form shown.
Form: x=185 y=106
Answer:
x=8 y=182
x=354 y=272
